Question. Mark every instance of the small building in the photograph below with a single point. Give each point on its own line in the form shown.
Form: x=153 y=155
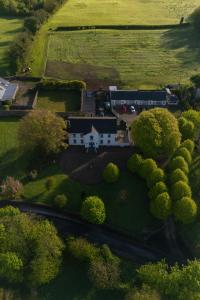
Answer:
x=94 y=132
x=142 y=98
x=8 y=90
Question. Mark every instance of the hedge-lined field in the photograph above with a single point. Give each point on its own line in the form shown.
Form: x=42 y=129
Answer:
x=9 y=28
x=134 y=58
x=94 y=12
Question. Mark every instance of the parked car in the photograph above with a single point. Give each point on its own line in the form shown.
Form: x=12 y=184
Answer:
x=132 y=109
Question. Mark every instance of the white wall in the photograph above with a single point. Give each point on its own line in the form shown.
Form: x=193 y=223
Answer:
x=98 y=139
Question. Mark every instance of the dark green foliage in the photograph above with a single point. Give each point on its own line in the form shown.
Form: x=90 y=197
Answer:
x=179 y=190
x=185 y=210
x=161 y=206
x=93 y=210
x=60 y=201
x=184 y=152
x=189 y=144
x=134 y=163
x=145 y=293
x=178 y=175
x=30 y=249
x=159 y=188
x=51 y=84
x=178 y=162
x=156 y=176
x=31 y=24
x=187 y=128
x=147 y=167
x=156 y=132
x=111 y=173
x=195 y=18
x=81 y=249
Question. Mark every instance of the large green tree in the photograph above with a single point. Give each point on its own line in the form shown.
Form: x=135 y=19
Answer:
x=93 y=210
x=156 y=132
x=30 y=249
x=42 y=131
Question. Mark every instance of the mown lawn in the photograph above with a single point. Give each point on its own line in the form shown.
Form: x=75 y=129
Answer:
x=131 y=58
x=59 y=101
x=9 y=28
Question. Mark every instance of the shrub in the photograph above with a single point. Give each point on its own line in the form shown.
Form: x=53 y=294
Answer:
x=156 y=176
x=161 y=206
x=134 y=163
x=93 y=210
x=189 y=144
x=159 y=188
x=178 y=175
x=50 y=182
x=111 y=173
x=60 y=201
x=187 y=128
x=179 y=162
x=81 y=249
x=11 y=188
x=179 y=190
x=147 y=167
x=183 y=151
x=6 y=107
x=185 y=210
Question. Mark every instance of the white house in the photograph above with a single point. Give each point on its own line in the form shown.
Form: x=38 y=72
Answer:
x=145 y=98
x=8 y=90
x=92 y=132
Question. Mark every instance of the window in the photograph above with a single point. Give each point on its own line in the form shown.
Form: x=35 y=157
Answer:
x=91 y=137
x=108 y=135
x=108 y=141
x=81 y=141
x=101 y=141
x=74 y=134
x=74 y=141
x=101 y=135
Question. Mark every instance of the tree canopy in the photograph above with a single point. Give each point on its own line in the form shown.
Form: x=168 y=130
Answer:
x=185 y=210
x=111 y=173
x=93 y=210
x=156 y=133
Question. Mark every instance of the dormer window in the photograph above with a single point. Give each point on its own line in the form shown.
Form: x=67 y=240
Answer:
x=91 y=137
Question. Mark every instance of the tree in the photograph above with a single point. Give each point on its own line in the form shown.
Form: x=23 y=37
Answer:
x=93 y=210
x=186 y=128
x=179 y=190
x=60 y=201
x=195 y=18
x=30 y=249
x=183 y=151
x=31 y=23
x=194 y=117
x=161 y=206
x=81 y=249
x=185 y=210
x=156 y=133
x=145 y=293
x=147 y=167
x=134 y=163
x=178 y=162
x=178 y=175
x=159 y=188
x=156 y=176
x=42 y=131
x=189 y=144
x=111 y=173
x=50 y=182
x=11 y=188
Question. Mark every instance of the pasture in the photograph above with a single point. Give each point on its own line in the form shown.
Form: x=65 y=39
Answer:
x=94 y=12
x=9 y=28
x=128 y=58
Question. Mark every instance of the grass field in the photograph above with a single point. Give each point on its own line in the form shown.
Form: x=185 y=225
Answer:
x=94 y=12
x=59 y=101
x=9 y=28
x=132 y=58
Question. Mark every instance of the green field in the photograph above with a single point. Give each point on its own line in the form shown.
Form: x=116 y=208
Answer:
x=59 y=101
x=94 y=12
x=9 y=28
x=132 y=58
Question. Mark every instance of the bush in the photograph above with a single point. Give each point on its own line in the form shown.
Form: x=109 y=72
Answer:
x=179 y=162
x=161 y=206
x=156 y=176
x=60 y=201
x=81 y=249
x=111 y=173
x=49 y=184
x=159 y=188
x=145 y=293
x=93 y=210
x=183 y=151
x=178 y=175
x=147 y=167
x=179 y=190
x=187 y=128
x=134 y=163
x=185 y=210
x=11 y=189
x=189 y=144
x=6 y=107
x=51 y=84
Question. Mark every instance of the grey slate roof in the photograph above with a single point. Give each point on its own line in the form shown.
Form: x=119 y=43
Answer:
x=139 y=95
x=85 y=125
x=10 y=89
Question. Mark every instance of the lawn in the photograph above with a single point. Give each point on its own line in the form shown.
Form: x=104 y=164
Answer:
x=9 y=28
x=59 y=101
x=131 y=59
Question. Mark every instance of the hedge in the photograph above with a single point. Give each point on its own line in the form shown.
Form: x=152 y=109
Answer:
x=50 y=84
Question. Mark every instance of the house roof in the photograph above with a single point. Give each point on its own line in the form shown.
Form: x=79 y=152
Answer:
x=7 y=90
x=88 y=124
x=139 y=95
